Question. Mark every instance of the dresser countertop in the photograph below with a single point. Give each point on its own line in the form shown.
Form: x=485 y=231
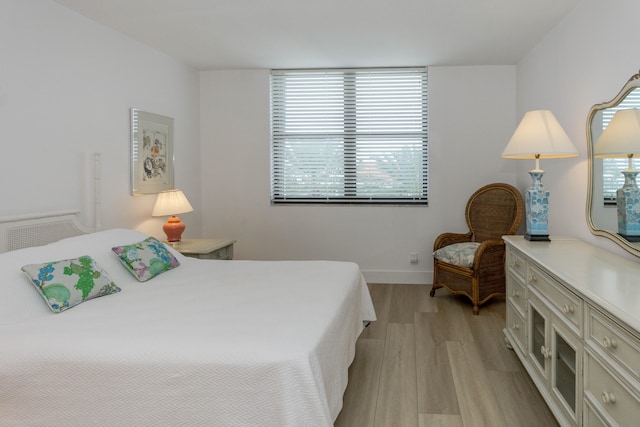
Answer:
x=599 y=276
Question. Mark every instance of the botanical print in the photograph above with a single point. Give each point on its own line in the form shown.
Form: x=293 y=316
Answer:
x=151 y=153
x=154 y=151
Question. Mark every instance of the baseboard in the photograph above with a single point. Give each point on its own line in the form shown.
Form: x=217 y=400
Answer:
x=398 y=276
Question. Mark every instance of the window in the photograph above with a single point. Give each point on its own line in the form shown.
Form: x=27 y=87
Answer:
x=612 y=178
x=349 y=136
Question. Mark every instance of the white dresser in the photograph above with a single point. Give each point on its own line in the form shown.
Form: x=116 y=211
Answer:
x=573 y=319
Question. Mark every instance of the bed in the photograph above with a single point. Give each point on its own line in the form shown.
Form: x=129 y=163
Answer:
x=216 y=343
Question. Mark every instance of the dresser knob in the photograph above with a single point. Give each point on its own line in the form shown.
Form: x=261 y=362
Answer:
x=545 y=352
x=515 y=326
x=609 y=342
x=515 y=294
x=533 y=278
x=608 y=398
x=567 y=309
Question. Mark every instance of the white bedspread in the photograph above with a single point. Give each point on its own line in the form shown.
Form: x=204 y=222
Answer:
x=215 y=343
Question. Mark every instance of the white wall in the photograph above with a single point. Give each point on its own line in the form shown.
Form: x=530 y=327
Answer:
x=66 y=87
x=584 y=61
x=472 y=116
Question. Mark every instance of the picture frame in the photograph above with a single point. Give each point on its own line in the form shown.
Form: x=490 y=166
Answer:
x=151 y=153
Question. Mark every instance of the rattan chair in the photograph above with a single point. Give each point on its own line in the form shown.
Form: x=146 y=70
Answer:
x=477 y=272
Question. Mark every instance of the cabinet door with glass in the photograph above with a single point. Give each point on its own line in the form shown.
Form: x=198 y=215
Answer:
x=538 y=332
x=566 y=368
x=556 y=355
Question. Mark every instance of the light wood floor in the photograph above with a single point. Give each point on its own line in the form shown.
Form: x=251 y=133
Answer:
x=431 y=362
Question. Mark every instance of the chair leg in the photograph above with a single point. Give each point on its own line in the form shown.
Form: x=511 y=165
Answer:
x=435 y=279
x=476 y=309
x=433 y=289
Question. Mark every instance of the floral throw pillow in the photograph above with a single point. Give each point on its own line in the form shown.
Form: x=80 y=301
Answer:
x=66 y=283
x=460 y=254
x=146 y=259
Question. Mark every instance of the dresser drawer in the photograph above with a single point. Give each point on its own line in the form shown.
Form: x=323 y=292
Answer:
x=222 y=253
x=516 y=293
x=609 y=394
x=517 y=264
x=591 y=418
x=517 y=328
x=567 y=304
x=614 y=341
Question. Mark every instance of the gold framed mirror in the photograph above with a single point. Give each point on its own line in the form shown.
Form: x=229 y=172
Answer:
x=605 y=174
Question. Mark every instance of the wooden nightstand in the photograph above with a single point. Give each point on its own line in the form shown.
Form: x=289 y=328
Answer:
x=205 y=248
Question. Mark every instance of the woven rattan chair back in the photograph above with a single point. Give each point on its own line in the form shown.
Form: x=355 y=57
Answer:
x=493 y=211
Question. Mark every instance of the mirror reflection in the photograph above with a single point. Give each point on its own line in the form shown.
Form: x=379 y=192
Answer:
x=605 y=174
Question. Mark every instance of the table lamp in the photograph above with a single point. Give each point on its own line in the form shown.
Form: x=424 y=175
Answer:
x=172 y=202
x=538 y=136
x=621 y=139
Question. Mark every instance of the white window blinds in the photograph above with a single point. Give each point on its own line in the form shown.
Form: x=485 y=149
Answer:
x=349 y=136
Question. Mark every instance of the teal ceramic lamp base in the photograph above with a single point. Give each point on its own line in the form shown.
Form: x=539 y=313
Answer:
x=628 y=203
x=537 y=209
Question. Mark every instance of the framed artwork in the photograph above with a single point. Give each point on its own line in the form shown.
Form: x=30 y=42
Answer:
x=151 y=153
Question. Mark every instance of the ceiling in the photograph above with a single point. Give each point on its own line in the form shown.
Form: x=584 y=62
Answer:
x=245 y=34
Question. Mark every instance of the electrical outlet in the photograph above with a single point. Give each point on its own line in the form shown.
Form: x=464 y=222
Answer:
x=413 y=258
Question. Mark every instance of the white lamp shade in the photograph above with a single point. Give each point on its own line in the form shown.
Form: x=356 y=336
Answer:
x=621 y=138
x=171 y=202
x=539 y=135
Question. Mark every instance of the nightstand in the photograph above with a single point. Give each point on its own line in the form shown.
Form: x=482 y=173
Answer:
x=205 y=248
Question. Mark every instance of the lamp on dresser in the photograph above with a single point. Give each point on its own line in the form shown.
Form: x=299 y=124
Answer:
x=621 y=139
x=172 y=203
x=538 y=136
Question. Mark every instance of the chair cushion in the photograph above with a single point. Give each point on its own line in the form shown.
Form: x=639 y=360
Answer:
x=460 y=254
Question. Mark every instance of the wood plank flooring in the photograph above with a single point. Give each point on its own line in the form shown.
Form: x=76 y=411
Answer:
x=429 y=362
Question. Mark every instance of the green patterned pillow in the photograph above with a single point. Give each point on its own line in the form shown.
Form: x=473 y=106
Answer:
x=146 y=259
x=460 y=254
x=69 y=282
